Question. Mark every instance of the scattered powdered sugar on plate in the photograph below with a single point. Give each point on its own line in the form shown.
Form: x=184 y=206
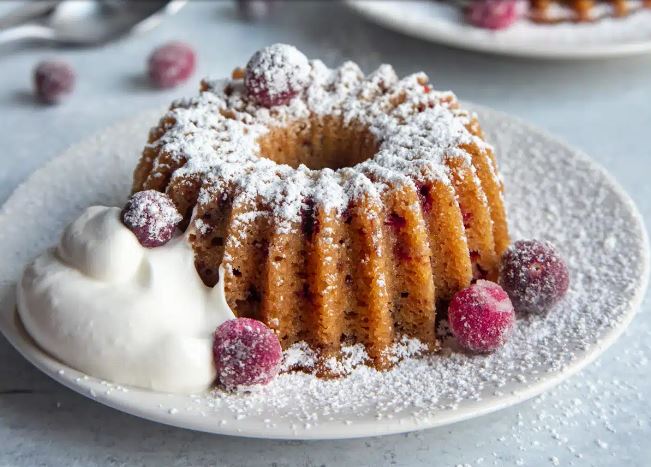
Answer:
x=552 y=193
x=576 y=212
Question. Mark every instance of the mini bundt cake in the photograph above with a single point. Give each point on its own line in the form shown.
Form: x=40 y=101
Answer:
x=341 y=208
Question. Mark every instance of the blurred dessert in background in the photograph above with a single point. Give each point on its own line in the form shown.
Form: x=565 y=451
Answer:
x=553 y=11
x=501 y=14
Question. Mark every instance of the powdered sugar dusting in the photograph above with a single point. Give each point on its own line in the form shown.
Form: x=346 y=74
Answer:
x=215 y=136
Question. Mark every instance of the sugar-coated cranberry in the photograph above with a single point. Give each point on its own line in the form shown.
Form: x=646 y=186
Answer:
x=254 y=10
x=53 y=80
x=152 y=217
x=481 y=317
x=276 y=74
x=246 y=353
x=171 y=64
x=534 y=275
x=492 y=14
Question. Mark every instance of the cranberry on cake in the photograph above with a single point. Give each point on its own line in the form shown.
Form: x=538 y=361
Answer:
x=341 y=207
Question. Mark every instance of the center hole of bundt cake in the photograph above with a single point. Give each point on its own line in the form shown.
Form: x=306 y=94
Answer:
x=318 y=144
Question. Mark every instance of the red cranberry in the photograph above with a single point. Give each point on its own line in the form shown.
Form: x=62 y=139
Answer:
x=53 y=80
x=425 y=196
x=246 y=353
x=477 y=271
x=492 y=14
x=152 y=217
x=395 y=221
x=309 y=222
x=467 y=220
x=534 y=275
x=402 y=252
x=171 y=64
x=481 y=317
x=276 y=74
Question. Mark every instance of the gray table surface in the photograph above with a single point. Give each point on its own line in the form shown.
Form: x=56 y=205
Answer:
x=599 y=417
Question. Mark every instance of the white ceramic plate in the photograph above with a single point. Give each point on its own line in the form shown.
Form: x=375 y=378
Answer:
x=440 y=22
x=552 y=192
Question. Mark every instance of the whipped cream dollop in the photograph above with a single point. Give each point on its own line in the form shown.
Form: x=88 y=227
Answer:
x=111 y=308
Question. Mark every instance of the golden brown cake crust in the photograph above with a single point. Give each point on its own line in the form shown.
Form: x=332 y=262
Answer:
x=344 y=216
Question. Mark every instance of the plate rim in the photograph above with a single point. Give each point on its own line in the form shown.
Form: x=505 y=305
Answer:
x=51 y=367
x=370 y=11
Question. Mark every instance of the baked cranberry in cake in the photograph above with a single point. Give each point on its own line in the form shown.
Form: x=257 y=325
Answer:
x=425 y=197
x=395 y=221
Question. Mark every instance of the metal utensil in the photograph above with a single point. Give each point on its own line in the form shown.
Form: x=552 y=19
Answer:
x=27 y=12
x=83 y=22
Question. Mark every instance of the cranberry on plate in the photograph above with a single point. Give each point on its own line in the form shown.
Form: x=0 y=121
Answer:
x=534 y=275
x=246 y=353
x=492 y=14
x=481 y=317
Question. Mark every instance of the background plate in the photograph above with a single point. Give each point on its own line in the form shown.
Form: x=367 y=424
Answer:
x=443 y=23
x=552 y=192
